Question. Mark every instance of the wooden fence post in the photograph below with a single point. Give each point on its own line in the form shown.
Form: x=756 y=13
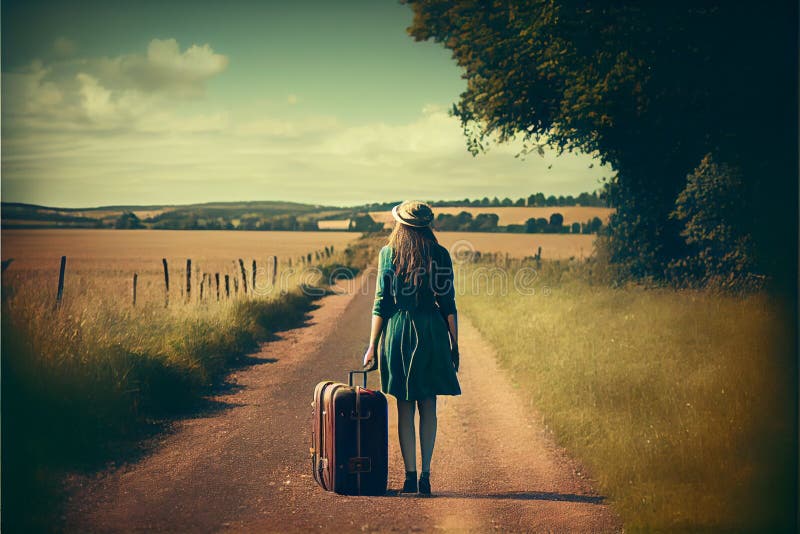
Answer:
x=197 y=277
x=274 y=270
x=227 y=286
x=135 y=278
x=216 y=279
x=254 y=276
x=188 y=280
x=166 y=282
x=61 y=280
x=244 y=276
x=309 y=258
x=235 y=285
x=202 y=283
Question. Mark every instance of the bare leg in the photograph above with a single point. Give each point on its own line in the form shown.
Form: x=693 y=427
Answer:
x=427 y=430
x=405 y=429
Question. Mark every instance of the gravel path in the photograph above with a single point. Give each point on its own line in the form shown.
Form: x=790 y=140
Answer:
x=246 y=468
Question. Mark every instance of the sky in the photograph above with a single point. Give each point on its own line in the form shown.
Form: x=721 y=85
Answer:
x=171 y=102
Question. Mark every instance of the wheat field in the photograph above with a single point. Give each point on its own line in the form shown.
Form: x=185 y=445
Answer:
x=516 y=214
x=554 y=246
x=109 y=258
x=102 y=248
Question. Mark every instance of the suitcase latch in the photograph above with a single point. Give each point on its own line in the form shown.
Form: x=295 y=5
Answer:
x=360 y=464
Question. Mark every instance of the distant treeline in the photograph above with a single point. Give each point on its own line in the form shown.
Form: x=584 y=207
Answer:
x=535 y=200
x=180 y=220
x=462 y=222
x=487 y=222
x=287 y=216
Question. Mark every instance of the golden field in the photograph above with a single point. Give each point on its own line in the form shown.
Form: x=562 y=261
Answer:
x=112 y=256
x=554 y=246
x=516 y=214
x=334 y=224
x=138 y=249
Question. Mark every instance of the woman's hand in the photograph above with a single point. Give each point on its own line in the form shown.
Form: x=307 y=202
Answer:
x=455 y=357
x=370 y=363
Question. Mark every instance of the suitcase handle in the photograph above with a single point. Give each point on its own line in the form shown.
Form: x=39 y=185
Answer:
x=357 y=371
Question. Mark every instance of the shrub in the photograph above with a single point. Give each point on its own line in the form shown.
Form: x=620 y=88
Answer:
x=720 y=253
x=556 y=220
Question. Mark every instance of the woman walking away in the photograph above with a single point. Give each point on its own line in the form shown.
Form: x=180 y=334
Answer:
x=416 y=312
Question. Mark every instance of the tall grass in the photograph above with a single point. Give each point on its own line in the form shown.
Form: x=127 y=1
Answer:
x=83 y=382
x=680 y=403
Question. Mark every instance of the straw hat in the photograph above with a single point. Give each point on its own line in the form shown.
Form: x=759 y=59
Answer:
x=413 y=213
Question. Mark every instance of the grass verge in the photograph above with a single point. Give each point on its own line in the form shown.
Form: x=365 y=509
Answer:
x=680 y=403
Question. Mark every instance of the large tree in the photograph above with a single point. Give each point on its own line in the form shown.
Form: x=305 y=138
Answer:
x=650 y=88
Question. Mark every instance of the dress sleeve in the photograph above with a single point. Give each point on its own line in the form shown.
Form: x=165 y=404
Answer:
x=384 y=303
x=443 y=284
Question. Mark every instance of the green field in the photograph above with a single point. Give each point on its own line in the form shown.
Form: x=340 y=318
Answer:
x=679 y=403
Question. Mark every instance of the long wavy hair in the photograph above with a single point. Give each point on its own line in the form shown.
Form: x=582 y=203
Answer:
x=412 y=252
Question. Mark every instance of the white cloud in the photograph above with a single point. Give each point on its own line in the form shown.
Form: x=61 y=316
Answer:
x=167 y=68
x=162 y=69
x=126 y=92
x=28 y=92
x=96 y=98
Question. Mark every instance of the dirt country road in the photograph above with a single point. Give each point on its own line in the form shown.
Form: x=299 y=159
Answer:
x=246 y=468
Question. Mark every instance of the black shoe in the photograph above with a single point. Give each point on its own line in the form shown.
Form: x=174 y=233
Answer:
x=410 y=485
x=425 y=484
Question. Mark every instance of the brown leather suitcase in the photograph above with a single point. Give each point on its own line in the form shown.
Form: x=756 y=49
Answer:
x=350 y=438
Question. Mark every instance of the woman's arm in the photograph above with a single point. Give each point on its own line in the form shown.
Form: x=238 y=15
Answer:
x=382 y=306
x=452 y=325
x=446 y=300
x=374 y=336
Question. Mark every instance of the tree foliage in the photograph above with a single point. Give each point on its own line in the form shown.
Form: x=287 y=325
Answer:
x=128 y=221
x=362 y=222
x=556 y=219
x=648 y=87
x=719 y=250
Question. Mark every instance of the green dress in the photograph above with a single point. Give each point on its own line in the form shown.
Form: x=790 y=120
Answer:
x=414 y=352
